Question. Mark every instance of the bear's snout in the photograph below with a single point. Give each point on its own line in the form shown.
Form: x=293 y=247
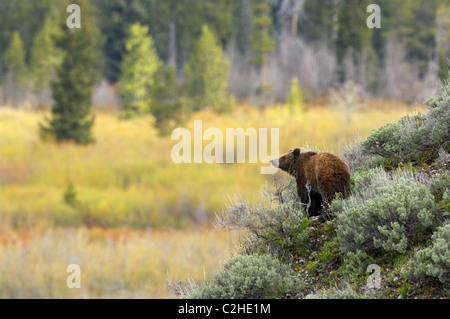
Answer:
x=275 y=163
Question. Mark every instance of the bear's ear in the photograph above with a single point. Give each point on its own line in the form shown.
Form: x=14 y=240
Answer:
x=296 y=152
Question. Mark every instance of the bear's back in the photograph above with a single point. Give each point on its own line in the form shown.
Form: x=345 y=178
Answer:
x=326 y=168
x=330 y=162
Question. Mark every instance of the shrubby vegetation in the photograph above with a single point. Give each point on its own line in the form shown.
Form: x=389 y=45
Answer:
x=356 y=159
x=446 y=200
x=277 y=224
x=334 y=293
x=417 y=139
x=433 y=261
x=395 y=218
x=439 y=186
x=245 y=277
x=390 y=213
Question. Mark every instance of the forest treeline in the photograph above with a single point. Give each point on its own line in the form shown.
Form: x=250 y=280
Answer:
x=268 y=43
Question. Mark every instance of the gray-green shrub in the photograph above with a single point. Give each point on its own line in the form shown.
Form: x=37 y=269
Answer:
x=335 y=293
x=446 y=198
x=438 y=118
x=356 y=263
x=416 y=138
x=246 y=277
x=433 y=261
x=388 y=214
x=275 y=224
x=355 y=157
x=400 y=140
x=438 y=185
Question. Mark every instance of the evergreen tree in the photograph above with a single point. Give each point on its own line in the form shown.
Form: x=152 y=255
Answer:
x=187 y=17
x=115 y=19
x=72 y=90
x=389 y=10
x=218 y=15
x=190 y=16
x=295 y=98
x=14 y=62
x=415 y=24
x=45 y=56
x=242 y=22
x=318 y=20
x=25 y=17
x=353 y=33
x=353 y=36
x=261 y=42
x=166 y=97
x=138 y=68
x=443 y=39
x=444 y=68
x=206 y=75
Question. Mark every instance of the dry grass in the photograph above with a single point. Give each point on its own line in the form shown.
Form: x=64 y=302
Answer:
x=128 y=178
x=119 y=263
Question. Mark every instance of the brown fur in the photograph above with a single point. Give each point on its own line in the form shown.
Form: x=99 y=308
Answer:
x=326 y=173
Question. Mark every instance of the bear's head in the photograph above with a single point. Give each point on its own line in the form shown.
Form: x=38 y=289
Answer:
x=288 y=162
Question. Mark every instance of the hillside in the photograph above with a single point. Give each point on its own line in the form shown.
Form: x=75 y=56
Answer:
x=389 y=239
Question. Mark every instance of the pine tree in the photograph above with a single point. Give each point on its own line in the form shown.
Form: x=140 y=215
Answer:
x=354 y=37
x=261 y=45
x=45 y=56
x=14 y=61
x=415 y=23
x=242 y=22
x=76 y=76
x=295 y=98
x=23 y=16
x=188 y=17
x=261 y=42
x=166 y=96
x=115 y=18
x=138 y=68
x=318 y=21
x=444 y=68
x=353 y=33
x=206 y=75
x=443 y=40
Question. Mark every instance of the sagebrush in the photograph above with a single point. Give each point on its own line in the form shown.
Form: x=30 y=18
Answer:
x=275 y=224
x=388 y=214
x=417 y=138
x=245 y=277
x=433 y=261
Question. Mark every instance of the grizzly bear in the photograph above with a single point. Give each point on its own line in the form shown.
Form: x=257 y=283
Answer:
x=325 y=174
